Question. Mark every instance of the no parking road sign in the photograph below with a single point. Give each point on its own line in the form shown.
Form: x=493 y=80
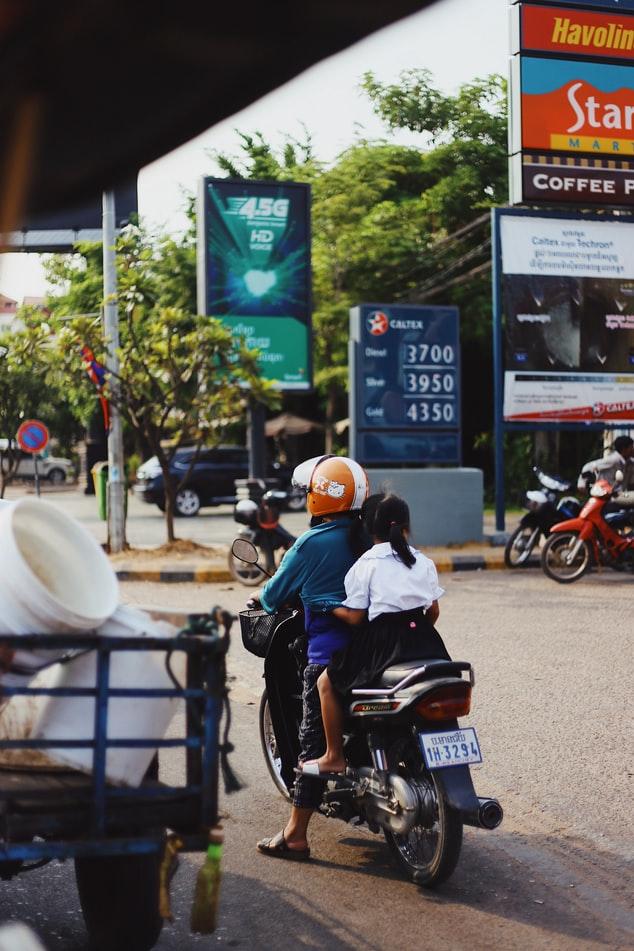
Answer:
x=32 y=436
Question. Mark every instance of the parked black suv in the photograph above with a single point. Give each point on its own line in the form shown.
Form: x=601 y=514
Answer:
x=211 y=481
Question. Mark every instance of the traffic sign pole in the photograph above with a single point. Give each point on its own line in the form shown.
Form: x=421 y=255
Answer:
x=116 y=481
x=37 y=476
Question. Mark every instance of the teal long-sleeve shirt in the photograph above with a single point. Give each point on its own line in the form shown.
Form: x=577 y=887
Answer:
x=314 y=567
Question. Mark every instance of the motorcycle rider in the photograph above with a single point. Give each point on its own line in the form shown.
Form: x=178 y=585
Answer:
x=621 y=458
x=396 y=588
x=314 y=568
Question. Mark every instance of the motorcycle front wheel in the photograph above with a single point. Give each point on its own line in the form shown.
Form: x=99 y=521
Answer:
x=429 y=852
x=519 y=547
x=269 y=747
x=558 y=560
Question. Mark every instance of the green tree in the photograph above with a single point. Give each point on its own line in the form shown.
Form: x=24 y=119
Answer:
x=30 y=388
x=397 y=223
x=181 y=375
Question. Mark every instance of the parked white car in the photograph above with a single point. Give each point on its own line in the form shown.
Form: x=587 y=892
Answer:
x=54 y=469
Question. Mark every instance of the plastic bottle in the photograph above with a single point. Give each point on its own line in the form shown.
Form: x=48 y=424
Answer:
x=207 y=892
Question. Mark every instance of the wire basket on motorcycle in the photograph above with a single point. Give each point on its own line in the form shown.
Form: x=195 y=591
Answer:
x=257 y=629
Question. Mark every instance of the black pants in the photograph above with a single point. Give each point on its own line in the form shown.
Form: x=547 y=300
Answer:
x=312 y=741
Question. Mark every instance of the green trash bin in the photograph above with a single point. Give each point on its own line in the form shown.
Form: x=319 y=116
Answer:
x=100 y=478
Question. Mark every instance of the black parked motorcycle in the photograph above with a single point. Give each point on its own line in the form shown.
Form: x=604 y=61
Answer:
x=261 y=527
x=546 y=507
x=408 y=759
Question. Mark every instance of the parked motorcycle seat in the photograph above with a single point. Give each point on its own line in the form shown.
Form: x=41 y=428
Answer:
x=433 y=668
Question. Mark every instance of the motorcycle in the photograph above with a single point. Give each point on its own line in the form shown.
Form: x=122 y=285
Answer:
x=591 y=538
x=546 y=507
x=262 y=528
x=408 y=759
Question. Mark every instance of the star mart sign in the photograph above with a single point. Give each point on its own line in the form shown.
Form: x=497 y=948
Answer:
x=574 y=106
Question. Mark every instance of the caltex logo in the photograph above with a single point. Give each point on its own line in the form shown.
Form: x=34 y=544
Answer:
x=378 y=323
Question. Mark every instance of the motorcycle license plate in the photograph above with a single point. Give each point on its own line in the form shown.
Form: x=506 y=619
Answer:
x=453 y=748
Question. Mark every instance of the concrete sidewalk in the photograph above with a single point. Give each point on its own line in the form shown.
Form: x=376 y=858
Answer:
x=472 y=557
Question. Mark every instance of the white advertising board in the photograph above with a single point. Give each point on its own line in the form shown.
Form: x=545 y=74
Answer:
x=568 y=306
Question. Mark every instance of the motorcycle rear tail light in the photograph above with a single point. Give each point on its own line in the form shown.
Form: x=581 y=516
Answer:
x=445 y=703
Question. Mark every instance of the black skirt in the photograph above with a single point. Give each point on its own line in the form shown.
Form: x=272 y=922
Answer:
x=388 y=640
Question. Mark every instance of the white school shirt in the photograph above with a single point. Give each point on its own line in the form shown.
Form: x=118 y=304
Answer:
x=382 y=584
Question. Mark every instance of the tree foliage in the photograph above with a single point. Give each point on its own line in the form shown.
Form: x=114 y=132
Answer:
x=401 y=223
x=181 y=374
x=30 y=387
x=389 y=223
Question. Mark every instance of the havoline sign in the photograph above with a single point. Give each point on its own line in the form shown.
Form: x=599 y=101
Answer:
x=597 y=4
x=254 y=271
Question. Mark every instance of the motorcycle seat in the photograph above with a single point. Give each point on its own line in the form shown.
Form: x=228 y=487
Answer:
x=428 y=669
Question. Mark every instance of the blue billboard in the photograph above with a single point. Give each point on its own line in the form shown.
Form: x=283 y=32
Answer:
x=404 y=384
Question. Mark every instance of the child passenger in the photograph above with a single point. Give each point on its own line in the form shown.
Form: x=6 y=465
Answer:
x=396 y=588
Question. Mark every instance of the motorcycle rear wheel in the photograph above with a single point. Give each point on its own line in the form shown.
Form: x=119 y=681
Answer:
x=429 y=853
x=519 y=547
x=555 y=552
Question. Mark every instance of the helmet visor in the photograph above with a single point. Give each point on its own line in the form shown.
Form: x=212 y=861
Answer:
x=304 y=471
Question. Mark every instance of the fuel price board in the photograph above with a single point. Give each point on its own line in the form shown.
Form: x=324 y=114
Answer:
x=405 y=384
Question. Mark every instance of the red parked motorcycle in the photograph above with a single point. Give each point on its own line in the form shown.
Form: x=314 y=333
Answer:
x=576 y=544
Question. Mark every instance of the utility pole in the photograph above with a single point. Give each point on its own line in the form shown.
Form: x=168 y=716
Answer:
x=256 y=440
x=116 y=478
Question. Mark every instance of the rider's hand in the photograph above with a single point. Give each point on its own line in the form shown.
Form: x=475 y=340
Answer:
x=254 y=603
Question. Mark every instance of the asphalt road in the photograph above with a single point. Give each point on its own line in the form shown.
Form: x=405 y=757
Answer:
x=552 y=710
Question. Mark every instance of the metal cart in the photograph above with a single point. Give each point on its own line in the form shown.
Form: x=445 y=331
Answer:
x=117 y=835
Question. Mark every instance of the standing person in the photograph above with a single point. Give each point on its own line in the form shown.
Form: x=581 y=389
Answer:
x=397 y=588
x=620 y=458
x=314 y=568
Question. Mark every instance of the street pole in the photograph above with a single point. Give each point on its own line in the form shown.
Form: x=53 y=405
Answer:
x=256 y=440
x=37 y=476
x=116 y=481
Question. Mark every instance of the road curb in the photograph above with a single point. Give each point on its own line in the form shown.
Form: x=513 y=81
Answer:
x=177 y=574
x=468 y=563
x=174 y=575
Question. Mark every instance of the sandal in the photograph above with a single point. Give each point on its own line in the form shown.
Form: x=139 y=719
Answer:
x=278 y=848
x=311 y=768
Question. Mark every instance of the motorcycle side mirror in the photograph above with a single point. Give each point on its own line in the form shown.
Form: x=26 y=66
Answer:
x=618 y=476
x=245 y=551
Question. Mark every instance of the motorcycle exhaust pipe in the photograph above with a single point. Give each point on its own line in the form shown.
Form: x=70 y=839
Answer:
x=488 y=815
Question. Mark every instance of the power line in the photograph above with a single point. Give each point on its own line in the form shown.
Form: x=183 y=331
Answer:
x=422 y=294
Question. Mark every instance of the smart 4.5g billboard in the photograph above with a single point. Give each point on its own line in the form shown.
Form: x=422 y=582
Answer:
x=565 y=317
x=254 y=271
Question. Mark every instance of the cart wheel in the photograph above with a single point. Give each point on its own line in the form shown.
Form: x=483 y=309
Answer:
x=119 y=896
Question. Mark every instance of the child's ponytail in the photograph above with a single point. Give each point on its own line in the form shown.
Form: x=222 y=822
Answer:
x=391 y=523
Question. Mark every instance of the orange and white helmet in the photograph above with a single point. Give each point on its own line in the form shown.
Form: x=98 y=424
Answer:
x=332 y=483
